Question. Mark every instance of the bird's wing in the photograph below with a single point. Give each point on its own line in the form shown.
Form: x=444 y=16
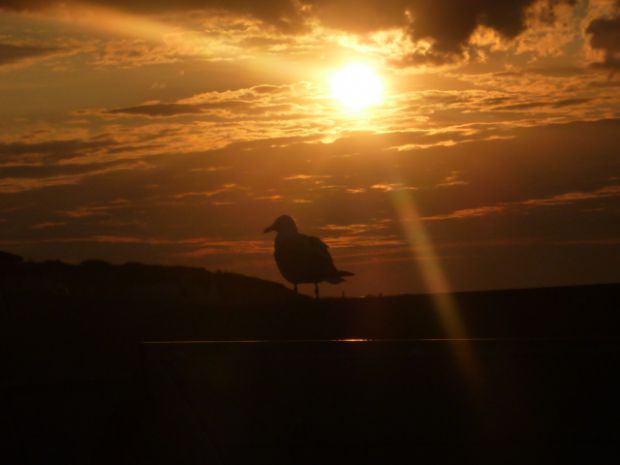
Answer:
x=319 y=251
x=305 y=258
x=317 y=245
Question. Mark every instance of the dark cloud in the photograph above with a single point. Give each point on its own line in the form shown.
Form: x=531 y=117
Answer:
x=10 y=54
x=570 y=101
x=284 y=14
x=20 y=5
x=550 y=104
x=605 y=36
x=521 y=106
x=41 y=172
x=447 y=24
x=159 y=109
x=361 y=16
x=450 y=24
x=50 y=150
x=258 y=100
x=281 y=13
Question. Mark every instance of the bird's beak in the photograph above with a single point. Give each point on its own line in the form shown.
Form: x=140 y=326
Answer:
x=269 y=229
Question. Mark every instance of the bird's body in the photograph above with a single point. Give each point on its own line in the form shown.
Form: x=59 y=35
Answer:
x=301 y=258
x=304 y=259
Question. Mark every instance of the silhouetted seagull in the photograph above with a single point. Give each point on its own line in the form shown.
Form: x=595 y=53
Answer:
x=303 y=259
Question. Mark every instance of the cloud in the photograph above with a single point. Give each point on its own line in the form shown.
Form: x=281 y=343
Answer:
x=130 y=53
x=551 y=27
x=605 y=37
x=270 y=198
x=94 y=210
x=207 y=245
x=451 y=24
x=448 y=23
x=262 y=101
x=452 y=179
x=439 y=31
x=11 y=54
x=567 y=102
x=389 y=187
x=159 y=109
x=553 y=200
x=226 y=194
x=9 y=185
x=570 y=197
x=48 y=225
x=354 y=229
x=467 y=213
x=54 y=150
x=284 y=14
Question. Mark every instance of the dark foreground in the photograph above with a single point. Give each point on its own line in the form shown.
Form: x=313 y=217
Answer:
x=536 y=381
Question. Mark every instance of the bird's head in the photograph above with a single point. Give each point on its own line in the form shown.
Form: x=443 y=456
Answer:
x=283 y=224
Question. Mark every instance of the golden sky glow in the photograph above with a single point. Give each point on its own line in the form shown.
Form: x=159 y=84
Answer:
x=174 y=132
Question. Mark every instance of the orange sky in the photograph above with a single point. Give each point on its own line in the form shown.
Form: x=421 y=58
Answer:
x=174 y=132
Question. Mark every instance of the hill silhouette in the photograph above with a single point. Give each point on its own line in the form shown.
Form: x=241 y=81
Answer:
x=140 y=302
x=133 y=282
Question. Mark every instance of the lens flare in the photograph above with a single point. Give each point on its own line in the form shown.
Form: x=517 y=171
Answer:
x=437 y=284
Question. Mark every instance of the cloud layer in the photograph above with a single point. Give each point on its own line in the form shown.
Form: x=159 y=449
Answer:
x=605 y=37
x=439 y=30
x=11 y=54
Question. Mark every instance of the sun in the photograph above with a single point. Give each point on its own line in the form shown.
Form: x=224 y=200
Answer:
x=357 y=87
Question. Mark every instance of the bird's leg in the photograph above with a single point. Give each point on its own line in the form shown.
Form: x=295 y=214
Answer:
x=316 y=290
x=295 y=287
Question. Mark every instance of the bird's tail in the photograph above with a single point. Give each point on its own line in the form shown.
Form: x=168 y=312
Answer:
x=338 y=276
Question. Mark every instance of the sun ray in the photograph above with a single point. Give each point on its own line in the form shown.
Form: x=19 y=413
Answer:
x=437 y=284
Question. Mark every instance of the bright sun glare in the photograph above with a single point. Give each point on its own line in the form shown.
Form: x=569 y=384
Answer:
x=357 y=87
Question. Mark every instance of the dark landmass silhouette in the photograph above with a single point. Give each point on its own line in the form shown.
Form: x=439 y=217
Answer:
x=135 y=282
x=185 y=302
x=98 y=366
